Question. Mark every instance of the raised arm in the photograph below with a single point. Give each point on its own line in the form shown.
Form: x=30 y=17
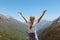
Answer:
x=23 y=16
x=41 y=16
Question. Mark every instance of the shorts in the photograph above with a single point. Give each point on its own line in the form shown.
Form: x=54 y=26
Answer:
x=31 y=36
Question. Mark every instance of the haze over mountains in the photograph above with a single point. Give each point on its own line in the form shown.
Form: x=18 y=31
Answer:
x=12 y=29
x=43 y=24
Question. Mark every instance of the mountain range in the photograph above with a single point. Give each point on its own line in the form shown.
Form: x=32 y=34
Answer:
x=12 y=29
x=52 y=32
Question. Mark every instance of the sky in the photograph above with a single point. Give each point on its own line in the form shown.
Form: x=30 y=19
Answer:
x=30 y=7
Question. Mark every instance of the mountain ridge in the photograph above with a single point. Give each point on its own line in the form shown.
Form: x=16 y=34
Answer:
x=51 y=32
x=11 y=29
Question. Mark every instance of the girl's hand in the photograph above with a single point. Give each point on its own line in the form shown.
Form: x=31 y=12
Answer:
x=20 y=13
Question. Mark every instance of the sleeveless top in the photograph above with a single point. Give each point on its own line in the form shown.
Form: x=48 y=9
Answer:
x=33 y=27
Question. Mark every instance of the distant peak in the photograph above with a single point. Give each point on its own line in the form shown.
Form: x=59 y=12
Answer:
x=4 y=16
x=58 y=18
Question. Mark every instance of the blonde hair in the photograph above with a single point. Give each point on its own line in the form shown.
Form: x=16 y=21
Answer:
x=32 y=17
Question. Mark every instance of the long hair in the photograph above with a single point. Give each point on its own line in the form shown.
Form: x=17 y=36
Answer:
x=32 y=18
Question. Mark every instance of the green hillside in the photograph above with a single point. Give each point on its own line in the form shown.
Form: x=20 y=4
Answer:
x=52 y=32
x=11 y=29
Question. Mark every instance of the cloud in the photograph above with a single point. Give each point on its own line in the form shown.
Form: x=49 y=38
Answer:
x=4 y=8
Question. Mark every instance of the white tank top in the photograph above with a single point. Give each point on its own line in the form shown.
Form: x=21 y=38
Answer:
x=33 y=30
x=33 y=27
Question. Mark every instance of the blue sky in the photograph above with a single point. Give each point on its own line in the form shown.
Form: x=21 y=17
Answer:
x=30 y=7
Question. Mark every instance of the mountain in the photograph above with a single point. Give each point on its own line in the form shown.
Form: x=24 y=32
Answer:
x=11 y=29
x=52 y=32
x=43 y=24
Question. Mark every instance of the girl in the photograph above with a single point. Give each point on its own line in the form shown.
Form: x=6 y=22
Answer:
x=32 y=26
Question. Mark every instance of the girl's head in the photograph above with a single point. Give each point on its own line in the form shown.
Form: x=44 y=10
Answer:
x=32 y=18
